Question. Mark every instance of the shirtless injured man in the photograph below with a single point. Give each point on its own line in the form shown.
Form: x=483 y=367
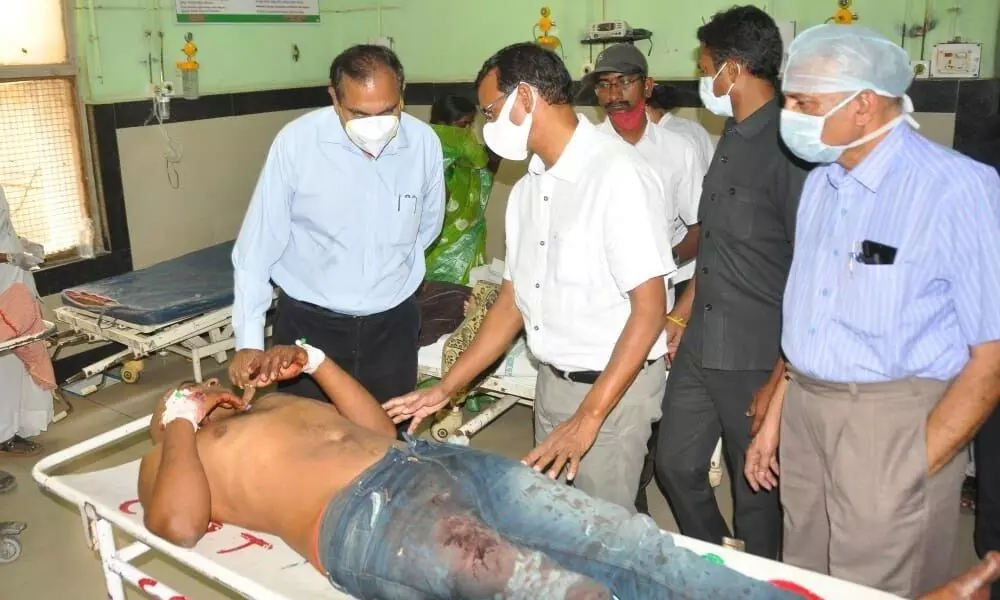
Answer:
x=406 y=520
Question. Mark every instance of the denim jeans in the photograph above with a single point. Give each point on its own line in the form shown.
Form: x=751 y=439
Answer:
x=440 y=521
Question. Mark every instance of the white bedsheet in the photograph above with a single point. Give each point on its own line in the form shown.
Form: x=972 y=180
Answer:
x=518 y=364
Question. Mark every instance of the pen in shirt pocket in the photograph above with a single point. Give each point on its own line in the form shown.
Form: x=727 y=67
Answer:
x=401 y=197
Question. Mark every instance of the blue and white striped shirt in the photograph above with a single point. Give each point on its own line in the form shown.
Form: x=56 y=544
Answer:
x=849 y=322
x=333 y=227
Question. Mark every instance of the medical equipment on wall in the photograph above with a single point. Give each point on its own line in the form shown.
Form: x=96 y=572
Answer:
x=189 y=68
x=546 y=27
x=843 y=15
x=955 y=61
x=609 y=30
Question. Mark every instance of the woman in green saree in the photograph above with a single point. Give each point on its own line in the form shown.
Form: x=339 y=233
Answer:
x=468 y=175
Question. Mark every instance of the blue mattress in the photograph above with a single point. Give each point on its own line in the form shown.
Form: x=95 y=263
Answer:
x=183 y=287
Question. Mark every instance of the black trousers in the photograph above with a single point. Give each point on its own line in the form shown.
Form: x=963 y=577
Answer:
x=699 y=405
x=987 y=452
x=679 y=288
x=380 y=350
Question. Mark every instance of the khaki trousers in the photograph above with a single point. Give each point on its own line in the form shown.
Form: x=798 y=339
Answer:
x=611 y=469
x=858 y=502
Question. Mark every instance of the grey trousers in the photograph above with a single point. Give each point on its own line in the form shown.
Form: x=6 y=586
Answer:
x=610 y=470
x=699 y=405
x=859 y=504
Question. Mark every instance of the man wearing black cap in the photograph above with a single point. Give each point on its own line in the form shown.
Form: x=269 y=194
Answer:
x=621 y=82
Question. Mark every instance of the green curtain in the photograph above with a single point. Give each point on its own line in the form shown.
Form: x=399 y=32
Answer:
x=462 y=244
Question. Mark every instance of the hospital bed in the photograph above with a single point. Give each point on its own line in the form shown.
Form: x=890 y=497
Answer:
x=260 y=566
x=183 y=306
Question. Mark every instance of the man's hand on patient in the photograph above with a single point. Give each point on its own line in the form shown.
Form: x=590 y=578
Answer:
x=244 y=367
x=280 y=363
x=565 y=446
x=416 y=405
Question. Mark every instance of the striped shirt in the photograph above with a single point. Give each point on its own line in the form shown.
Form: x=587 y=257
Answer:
x=850 y=322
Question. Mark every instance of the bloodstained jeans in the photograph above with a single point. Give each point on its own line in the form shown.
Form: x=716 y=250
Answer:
x=442 y=521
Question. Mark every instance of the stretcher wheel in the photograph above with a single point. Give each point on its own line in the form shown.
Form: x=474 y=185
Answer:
x=10 y=549
x=131 y=371
x=448 y=425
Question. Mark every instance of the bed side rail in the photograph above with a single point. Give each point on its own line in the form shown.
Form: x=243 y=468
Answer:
x=42 y=473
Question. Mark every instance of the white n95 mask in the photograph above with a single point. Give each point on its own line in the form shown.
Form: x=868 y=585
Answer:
x=508 y=140
x=373 y=134
x=718 y=105
x=803 y=134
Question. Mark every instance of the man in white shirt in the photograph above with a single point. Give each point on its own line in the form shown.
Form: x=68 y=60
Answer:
x=621 y=82
x=659 y=102
x=588 y=249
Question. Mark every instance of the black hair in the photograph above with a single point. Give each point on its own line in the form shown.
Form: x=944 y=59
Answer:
x=529 y=63
x=663 y=97
x=360 y=64
x=746 y=34
x=449 y=109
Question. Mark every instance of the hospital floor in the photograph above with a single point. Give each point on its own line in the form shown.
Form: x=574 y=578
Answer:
x=56 y=563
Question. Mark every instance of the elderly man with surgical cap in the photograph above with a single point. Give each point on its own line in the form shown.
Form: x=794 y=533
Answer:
x=891 y=324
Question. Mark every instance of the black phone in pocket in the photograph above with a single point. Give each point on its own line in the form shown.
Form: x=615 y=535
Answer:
x=874 y=253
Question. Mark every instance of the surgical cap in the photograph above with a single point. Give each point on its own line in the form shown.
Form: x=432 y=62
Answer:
x=846 y=58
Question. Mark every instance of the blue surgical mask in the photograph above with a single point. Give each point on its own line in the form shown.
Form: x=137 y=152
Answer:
x=719 y=105
x=803 y=134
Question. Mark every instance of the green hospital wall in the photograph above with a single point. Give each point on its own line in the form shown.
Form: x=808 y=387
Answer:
x=442 y=40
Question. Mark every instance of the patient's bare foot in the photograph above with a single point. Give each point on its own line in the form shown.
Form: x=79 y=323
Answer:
x=974 y=584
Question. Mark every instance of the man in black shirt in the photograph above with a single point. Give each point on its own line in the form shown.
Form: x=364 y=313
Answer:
x=726 y=328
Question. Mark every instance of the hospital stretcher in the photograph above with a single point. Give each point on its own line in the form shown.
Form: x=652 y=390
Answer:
x=261 y=566
x=183 y=306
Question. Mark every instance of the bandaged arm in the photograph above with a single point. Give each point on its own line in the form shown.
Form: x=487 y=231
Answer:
x=173 y=487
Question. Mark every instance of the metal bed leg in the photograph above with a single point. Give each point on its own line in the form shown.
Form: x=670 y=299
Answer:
x=106 y=547
x=196 y=364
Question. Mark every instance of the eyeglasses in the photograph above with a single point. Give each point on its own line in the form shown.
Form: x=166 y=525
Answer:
x=621 y=83
x=489 y=109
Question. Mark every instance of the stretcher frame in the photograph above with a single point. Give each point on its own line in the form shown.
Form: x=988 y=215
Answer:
x=207 y=335
x=509 y=392
x=99 y=525
x=48 y=330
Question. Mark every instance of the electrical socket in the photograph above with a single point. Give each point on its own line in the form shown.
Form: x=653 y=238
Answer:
x=385 y=41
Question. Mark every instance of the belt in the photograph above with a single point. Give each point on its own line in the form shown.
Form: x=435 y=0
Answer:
x=587 y=377
x=283 y=297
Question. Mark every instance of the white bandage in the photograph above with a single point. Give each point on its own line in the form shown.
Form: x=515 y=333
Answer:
x=180 y=405
x=315 y=357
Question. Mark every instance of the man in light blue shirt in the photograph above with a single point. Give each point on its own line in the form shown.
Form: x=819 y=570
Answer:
x=348 y=200
x=891 y=324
